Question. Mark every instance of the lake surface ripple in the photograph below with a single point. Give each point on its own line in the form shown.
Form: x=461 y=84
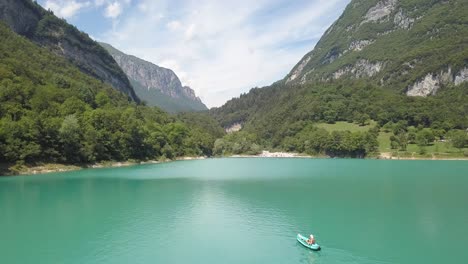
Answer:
x=239 y=211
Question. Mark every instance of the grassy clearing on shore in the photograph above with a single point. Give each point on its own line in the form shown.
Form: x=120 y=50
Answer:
x=436 y=150
x=384 y=142
x=343 y=126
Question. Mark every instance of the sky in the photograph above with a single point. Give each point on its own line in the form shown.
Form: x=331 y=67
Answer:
x=219 y=48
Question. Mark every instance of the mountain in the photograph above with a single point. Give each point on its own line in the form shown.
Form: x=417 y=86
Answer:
x=30 y=20
x=412 y=46
x=156 y=85
x=51 y=112
x=399 y=62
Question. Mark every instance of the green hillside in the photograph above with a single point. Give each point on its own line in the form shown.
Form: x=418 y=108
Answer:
x=52 y=112
x=276 y=113
x=360 y=72
x=27 y=18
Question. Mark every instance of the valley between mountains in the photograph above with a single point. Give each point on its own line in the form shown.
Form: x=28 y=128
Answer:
x=388 y=79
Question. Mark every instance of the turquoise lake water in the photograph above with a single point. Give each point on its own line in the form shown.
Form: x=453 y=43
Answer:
x=239 y=211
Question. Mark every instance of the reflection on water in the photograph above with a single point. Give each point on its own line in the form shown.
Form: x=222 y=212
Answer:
x=239 y=211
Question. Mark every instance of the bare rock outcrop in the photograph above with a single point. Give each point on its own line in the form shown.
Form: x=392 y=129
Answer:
x=429 y=85
x=362 y=68
x=403 y=21
x=462 y=76
x=359 y=45
x=380 y=11
x=432 y=82
x=298 y=70
x=233 y=128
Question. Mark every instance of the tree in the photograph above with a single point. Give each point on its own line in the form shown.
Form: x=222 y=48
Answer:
x=318 y=141
x=393 y=142
x=388 y=127
x=330 y=116
x=363 y=120
x=20 y=140
x=400 y=127
x=371 y=143
x=255 y=149
x=167 y=151
x=102 y=99
x=73 y=105
x=402 y=140
x=411 y=137
x=458 y=139
x=425 y=137
x=70 y=137
x=219 y=147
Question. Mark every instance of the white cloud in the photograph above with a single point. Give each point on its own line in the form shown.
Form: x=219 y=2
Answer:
x=65 y=9
x=224 y=48
x=174 y=25
x=99 y=2
x=113 y=10
x=190 y=32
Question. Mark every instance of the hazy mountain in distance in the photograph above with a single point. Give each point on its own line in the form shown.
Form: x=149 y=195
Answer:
x=155 y=85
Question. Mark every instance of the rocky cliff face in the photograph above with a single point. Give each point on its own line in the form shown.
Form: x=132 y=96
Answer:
x=156 y=85
x=40 y=26
x=413 y=46
x=21 y=16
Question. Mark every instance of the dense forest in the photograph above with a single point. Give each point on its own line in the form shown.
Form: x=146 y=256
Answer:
x=52 y=112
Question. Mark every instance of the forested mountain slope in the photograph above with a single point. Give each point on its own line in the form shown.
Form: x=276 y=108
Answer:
x=155 y=85
x=393 y=61
x=52 y=112
x=29 y=19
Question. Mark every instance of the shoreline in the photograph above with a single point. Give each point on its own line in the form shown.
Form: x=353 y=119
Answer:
x=381 y=156
x=268 y=154
x=389 y=156
x=54 y=168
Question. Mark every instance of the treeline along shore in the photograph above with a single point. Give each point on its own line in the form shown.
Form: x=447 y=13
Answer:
x=403 y=95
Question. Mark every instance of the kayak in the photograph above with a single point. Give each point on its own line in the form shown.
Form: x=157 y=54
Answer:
x=303 y=240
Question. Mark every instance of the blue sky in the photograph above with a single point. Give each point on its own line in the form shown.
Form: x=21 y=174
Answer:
x=219 y=48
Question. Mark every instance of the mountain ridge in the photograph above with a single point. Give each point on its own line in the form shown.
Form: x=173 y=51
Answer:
x=158 y=86
x=392 y=43
x=30 y=20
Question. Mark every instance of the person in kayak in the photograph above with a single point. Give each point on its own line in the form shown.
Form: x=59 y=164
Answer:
x=311 y=240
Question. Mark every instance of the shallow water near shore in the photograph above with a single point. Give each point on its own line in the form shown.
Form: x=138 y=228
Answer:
x=238 y=210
